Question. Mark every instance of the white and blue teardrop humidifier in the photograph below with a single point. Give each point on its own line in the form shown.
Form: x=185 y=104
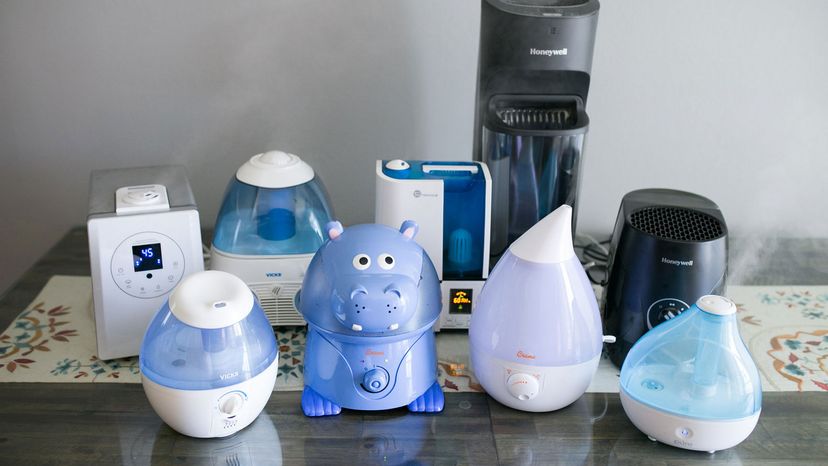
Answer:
x=270 y=224
x=209 y=358
x=690 y=381
x=535 y=337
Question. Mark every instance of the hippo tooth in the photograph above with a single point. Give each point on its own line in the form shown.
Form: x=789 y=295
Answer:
x=356 y=327
x=393 y=326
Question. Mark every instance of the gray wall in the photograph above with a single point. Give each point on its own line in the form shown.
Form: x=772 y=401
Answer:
x=728 y=99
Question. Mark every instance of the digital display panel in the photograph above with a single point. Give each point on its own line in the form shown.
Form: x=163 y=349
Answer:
x=460 y=300
x=147 y=257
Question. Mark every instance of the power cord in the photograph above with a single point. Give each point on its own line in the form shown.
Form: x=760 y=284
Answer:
x=594 y=256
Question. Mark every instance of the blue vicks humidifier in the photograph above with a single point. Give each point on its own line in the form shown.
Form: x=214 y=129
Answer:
x=209 y=358
x=690 y=381
x=269 y=226
x=371 y=296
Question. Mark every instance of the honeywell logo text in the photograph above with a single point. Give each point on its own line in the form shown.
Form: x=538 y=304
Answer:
x=675 y=262
x=548 y=52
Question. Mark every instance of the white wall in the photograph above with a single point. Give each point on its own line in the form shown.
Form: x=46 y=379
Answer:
x=728 y=99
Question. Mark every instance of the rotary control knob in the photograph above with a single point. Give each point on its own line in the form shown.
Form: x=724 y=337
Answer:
x=375 y=380
x=231 y=403
x=522 y=386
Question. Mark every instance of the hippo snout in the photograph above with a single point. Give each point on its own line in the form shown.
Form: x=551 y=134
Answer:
x=377 y=304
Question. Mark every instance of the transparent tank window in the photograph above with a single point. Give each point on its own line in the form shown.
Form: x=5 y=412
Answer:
x=697 y=367
x=261 y=221
x=531 y=177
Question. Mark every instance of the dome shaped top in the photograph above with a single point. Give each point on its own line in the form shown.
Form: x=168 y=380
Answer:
x=275 y=169
x=177 y=354
x=272 y=219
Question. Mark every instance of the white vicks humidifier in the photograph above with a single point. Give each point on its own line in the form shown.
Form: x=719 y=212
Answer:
x=209 y=358
x=535 y=337
x=690 y=381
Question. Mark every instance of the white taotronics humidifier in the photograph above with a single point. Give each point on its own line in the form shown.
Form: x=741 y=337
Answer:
x=209 y=358
x=535 y=337
x=268 y=229
x=690 y=381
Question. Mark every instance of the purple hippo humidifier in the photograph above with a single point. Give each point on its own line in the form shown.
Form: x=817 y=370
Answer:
x=370 y=296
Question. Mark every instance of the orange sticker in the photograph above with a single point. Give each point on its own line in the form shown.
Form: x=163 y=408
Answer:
x=523 y=355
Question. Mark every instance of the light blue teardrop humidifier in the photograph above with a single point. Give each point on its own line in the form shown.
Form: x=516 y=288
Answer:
x=691 y=383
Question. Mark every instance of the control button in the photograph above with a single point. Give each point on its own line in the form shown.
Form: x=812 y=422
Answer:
x=375 y=380
x=231 y=403
x=663 y=310
x=522 y=386
x=684 y=433
x=397 y=165
x=149 y=275
x=139 y=197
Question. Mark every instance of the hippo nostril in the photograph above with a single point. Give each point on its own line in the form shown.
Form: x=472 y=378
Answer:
x=393 y=289
x=357 y=291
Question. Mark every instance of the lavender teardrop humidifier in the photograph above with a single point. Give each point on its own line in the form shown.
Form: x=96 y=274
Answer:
x=535 y=337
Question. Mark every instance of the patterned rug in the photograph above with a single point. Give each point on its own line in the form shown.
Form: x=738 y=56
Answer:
x=53 y=340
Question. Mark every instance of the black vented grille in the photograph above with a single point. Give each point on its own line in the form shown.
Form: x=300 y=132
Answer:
x=546 y=2
x=536 y=118
x=676 y=223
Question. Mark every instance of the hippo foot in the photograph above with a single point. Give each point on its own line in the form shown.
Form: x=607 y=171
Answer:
x=432 y=401
x=314 y=404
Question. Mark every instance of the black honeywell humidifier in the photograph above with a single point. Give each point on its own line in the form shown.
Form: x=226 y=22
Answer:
x=533 y=79
x=668 y=249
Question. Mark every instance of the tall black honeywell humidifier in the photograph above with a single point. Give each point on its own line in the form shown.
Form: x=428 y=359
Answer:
x=533 y=78
x=668 y=249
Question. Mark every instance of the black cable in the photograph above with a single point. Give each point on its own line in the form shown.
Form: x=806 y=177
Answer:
x=595 y=280
x=592 y=253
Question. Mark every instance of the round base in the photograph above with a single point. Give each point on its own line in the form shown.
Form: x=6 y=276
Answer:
x=553 y=387
x=212 y=413
x=686 y=432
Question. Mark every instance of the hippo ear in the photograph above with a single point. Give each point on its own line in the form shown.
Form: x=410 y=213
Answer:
x=409 y=229
x=334 y=229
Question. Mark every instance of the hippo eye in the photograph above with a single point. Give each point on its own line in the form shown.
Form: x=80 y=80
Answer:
x=362 y=261
x=386 y=261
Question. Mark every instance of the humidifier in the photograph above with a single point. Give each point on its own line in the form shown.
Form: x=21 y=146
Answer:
x=535 y=337
x=209 y=358
x=371 y=297
x=269 y=226
x=690 y=382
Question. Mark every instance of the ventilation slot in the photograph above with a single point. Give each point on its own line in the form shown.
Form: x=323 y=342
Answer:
x=536 y=118
x=546 y=3
x=678 y=224
x=277 y=302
